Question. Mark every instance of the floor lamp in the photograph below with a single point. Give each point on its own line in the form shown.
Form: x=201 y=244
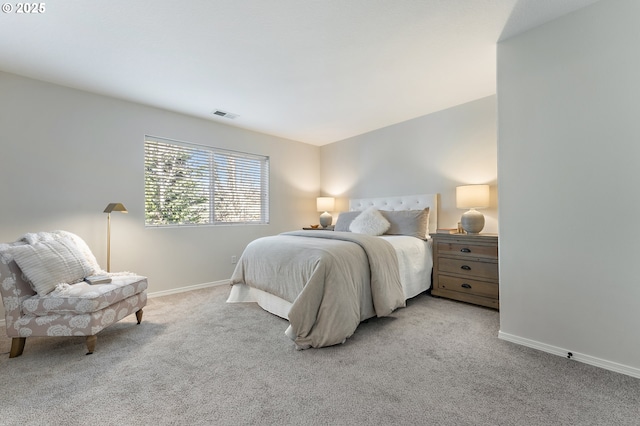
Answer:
x=112 y=207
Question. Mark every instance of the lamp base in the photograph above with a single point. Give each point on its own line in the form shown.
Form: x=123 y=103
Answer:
x=325 y=219
x=472 y=221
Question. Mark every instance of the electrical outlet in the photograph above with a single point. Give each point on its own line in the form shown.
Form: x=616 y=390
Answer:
x=234 y=260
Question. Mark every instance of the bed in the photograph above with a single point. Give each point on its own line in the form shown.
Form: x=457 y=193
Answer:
x=326 y=282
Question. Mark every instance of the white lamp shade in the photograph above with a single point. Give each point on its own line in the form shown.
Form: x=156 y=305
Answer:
x=472 y=197
x=325 y=204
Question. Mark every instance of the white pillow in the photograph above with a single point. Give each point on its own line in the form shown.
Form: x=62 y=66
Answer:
x=48 y=263
x=83 y=248
x=39 y=237
x=370 y=222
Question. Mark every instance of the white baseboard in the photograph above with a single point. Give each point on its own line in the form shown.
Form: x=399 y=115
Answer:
x=167 y=292
x=187 y=288
x=586 y=359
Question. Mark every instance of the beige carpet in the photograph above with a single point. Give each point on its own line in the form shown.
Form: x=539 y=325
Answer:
x=197 y=360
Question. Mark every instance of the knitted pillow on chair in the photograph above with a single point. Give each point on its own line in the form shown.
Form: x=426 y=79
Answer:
x=48 y=263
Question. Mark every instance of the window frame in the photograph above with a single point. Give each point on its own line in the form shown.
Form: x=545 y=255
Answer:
x=214 y=155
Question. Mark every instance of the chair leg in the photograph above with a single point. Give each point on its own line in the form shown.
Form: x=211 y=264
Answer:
x=91 y=344
x=139 y=316
x=17 y=346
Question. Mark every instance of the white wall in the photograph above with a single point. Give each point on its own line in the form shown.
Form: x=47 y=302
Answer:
x=430 y=154
x=65 y=154
x=568 y=161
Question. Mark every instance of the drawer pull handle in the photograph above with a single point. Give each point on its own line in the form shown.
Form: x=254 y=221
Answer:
x=466 y=267
x=465 y=285
x=465 y=250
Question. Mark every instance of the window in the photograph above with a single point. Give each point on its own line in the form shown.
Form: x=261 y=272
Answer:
x=187 y=184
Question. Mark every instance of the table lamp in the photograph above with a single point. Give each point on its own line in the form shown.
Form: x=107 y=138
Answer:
x=472 y=197
x=325 y=204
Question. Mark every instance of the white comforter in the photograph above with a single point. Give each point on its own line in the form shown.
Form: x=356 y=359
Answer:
x=330 y=281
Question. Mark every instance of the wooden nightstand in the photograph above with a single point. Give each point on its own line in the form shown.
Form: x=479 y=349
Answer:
x=465 y=268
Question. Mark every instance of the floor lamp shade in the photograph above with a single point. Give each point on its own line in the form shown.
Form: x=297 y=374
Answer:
x=472 y=197
x=325 y=205
x=112 y=207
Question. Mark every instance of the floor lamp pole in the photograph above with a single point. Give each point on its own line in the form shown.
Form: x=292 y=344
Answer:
x=108 y=242
x=112 y=207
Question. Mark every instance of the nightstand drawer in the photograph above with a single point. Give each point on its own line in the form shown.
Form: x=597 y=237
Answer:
x=462 y=285
x=474 y=268
x=461 y=249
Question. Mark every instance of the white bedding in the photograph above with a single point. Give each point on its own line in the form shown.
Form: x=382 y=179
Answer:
x=412 y=277
x=415 y=262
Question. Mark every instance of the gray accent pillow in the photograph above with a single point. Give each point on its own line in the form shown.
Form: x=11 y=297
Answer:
x=414 y=223
x=344 y=221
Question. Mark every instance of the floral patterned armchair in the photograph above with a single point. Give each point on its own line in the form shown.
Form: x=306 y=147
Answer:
x=44 y=292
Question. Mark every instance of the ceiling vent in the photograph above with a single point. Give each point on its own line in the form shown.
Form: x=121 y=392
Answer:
x=225 y=114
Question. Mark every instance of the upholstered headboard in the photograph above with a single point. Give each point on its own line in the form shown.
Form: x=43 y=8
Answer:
x=405 y=202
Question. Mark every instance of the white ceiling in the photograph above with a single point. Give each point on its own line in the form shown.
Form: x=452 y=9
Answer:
x=316 y=71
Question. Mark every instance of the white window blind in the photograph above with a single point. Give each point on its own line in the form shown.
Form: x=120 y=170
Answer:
x=189 y=184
